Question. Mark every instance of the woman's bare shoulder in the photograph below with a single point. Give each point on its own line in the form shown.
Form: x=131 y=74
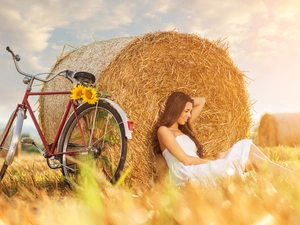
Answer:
x=163 y=130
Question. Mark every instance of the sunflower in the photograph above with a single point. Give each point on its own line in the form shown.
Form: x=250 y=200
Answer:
x=89 y=95
x=77 y=92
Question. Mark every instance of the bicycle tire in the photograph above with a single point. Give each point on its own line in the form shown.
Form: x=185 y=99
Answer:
x=106 y=153
x=9 y=144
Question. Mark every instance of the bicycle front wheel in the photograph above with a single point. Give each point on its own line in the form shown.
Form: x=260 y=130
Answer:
x=9 y=141
x=96 y=143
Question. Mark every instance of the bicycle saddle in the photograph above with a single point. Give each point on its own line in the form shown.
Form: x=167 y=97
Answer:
x=84 y=77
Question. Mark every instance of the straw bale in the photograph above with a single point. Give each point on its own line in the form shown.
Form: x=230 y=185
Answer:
x=279 y=129
x=267 y=131
x=148 y=68
x=92 y=58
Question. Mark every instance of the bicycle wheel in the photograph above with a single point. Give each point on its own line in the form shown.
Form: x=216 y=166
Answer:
x=9 y=140
x=97 y=142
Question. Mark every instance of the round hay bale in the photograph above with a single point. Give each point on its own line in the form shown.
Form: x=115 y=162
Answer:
x=279 y=129
x=92 y=58
x=267 y=131
x=142 y=75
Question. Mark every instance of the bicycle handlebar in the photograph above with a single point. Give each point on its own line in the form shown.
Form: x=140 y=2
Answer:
x=16 y=57
x=68 y=73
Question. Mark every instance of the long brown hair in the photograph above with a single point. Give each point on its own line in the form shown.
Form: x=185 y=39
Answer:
x=174 y=106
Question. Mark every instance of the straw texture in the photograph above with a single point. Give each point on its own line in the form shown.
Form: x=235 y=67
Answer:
x=144 y=72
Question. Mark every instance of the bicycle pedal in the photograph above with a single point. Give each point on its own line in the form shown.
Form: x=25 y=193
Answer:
x=26 y=141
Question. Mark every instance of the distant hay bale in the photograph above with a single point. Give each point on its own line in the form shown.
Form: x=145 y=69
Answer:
x=267 y=131
x=279 y=129
x=144 y=72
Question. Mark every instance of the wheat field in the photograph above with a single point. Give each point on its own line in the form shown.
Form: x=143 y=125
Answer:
x=31 y=193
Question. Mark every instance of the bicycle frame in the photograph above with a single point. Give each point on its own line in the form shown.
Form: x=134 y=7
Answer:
x=25 y=105
x=108 y=147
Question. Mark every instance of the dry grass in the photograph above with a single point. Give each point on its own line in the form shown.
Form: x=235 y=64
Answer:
x=141 y=72
x=30 y=171
x=40 y=196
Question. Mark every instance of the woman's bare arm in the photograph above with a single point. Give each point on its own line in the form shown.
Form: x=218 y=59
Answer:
x=199 y=103
x=167 y=140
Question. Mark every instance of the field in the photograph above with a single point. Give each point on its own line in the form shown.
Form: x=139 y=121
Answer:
x=34 y=194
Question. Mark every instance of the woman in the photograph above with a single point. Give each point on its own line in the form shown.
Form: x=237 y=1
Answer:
x=183 y=153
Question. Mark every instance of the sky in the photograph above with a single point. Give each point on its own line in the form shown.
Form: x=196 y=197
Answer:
x=263 y=38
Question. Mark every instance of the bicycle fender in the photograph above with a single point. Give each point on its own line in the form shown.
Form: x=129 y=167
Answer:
x=16 y=137
x=124 y=118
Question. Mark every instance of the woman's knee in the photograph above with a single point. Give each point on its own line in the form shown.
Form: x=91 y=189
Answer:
x=257 y=162
x=255 y=150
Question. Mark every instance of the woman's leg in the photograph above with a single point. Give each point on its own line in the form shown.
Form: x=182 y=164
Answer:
x=261 y=163
x=254 y=149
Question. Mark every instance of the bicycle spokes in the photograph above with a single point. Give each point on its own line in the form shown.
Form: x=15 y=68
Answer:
x=96 y=140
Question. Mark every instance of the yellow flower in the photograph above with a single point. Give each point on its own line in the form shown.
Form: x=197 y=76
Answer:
x=89 y=95
x=77 y=92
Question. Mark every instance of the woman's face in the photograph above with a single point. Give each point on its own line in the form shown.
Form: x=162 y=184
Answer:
x=186 y=113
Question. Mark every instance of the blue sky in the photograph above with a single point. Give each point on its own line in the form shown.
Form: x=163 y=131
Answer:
x=263 y=35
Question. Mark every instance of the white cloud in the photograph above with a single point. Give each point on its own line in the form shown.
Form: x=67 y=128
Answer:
x=16 y=29
x=287 y=10
x=261 y=34
x=150 y=15
x=31 y=24
x=163 y=7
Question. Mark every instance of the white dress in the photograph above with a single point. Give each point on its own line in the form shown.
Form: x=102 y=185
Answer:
x=207 y=173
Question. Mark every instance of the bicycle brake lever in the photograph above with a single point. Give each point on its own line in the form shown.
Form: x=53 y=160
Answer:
x=69 y=79
x=69 y=75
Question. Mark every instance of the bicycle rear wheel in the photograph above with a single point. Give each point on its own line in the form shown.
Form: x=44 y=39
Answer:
x=10 y=140
x=97 y=143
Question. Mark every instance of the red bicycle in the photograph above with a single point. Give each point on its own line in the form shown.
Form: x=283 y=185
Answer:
x=93 y=134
